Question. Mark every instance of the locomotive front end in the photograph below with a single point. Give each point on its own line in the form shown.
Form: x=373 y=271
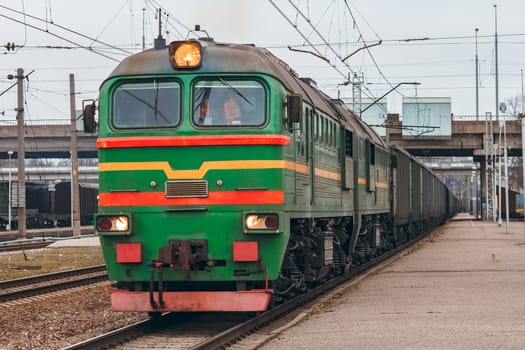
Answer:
x=192 y=180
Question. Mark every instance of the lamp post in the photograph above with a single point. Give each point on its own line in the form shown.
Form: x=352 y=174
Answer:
x=503 y=109
x=10 y=153
x=497 y=106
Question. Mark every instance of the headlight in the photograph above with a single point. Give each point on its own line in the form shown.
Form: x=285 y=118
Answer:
x=117 y=223
x=185 y=54
x=262 y=222
x=121 y=223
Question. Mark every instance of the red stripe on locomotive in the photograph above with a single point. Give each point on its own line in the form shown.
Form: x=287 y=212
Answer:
x=214 y=198
x=182 y=141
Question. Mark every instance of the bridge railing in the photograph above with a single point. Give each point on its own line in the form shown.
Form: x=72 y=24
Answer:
x=482 y=118
x=36 y=122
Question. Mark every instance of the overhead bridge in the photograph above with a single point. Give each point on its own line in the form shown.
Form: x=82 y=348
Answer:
x=483 y=140
x=46 y=141
x=468 y=139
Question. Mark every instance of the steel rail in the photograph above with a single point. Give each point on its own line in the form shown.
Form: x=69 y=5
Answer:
x=130 y=332
x=121 y=335
x=41 y=284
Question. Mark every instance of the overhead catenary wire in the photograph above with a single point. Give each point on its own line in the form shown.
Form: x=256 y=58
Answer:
x=133 y=34
x=329 y=46
x=420 y=41
x=25 y=29
x=367 y=47
x=63 y=28
x=155 y=4
x=64 y=114
x=49 y=14
x=108 y=24
x=346 y=76
x=61 y=37
x=343 y=74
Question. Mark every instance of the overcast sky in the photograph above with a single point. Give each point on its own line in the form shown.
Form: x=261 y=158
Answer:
x=443 y=62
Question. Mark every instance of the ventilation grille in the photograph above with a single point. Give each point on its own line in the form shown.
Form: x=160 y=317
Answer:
x=189 y=188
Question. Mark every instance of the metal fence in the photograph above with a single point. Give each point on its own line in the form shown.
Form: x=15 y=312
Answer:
x=37 y=122
x=482 y=118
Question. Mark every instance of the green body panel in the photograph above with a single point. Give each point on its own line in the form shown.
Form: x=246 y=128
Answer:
x=316 y=188
x=372 y=178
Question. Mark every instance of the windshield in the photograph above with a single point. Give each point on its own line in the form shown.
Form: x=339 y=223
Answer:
x=146 y=105
x=229 y=103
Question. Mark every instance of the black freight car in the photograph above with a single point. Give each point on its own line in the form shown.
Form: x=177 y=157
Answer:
x=88 y=203
x=420 y=200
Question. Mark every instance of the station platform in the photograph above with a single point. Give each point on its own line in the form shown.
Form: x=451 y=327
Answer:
x=464 y=288
x=89 y=241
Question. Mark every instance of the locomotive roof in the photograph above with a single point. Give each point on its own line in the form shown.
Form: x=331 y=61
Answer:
x=235 y=58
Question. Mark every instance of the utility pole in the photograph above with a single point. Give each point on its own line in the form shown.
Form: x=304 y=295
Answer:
x=9 y=200
x=477 y=77
x=75 y=203
x=493 y=150
x=522 y=98
x=523 y=143
x=486 y=144
x=503 y=108
x=21 y=188
x=502 y=124
x=497 y=107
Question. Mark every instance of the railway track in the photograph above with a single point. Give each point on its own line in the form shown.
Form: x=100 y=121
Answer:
x=46 y=283
x=219 y=331
x=173 y=331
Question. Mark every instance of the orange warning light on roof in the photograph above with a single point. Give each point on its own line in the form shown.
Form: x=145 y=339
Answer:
x=185 y=54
